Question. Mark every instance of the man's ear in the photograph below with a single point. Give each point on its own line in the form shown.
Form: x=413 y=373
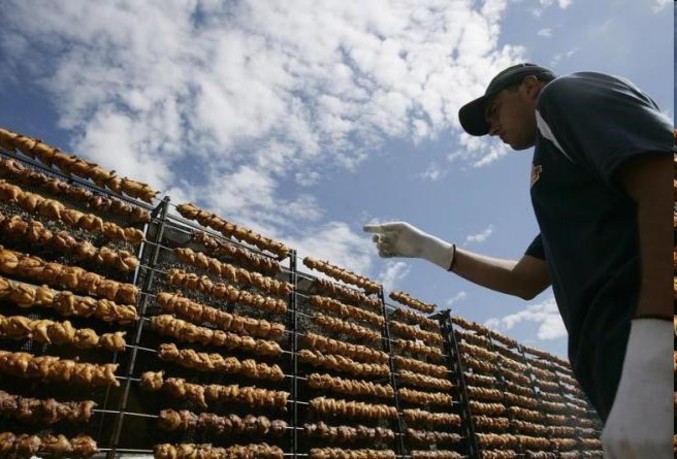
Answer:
x=531 y=86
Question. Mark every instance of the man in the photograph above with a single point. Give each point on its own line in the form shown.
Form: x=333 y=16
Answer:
x=601 y=191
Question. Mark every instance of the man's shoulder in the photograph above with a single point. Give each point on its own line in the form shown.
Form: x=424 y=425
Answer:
x=584 y=84
x=585 y=88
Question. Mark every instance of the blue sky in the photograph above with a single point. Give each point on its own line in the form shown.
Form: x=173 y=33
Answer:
x=306 y=119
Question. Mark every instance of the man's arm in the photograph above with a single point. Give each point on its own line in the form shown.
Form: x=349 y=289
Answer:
x=647 y=179
x=640 y=420
x=525 y=278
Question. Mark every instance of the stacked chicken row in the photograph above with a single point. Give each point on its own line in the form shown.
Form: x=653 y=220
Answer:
x=426 y=386
x=348 y=372
x=25 y=445
x=55 y=210
x=229 y=230
x=208 y=451
x=343 y=275
x=522 y=401
x=72 y=165
x=200 y=394
x=17 y=229
x=231 y=424
x=199 y=334
x=27 y=176
x=69 y=302
x=220 y=315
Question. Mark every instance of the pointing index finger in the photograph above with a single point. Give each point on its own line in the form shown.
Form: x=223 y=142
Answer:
x=377 y=229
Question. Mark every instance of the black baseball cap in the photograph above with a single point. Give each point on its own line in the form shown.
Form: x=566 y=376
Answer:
x=471 y=114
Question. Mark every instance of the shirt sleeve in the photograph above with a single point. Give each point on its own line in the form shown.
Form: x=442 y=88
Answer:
x=535 y=249
x=601 y=121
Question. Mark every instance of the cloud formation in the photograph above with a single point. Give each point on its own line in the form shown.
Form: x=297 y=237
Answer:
x=545 y=314
x=481 y=236
x=230 y=86
x=460 y=296
x=244 y=107
x=659 y=5
x=394 y=272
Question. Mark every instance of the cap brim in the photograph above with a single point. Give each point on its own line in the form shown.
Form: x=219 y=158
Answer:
x=472 y=117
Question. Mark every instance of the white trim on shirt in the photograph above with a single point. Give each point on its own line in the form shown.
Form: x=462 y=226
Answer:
x=546 y=132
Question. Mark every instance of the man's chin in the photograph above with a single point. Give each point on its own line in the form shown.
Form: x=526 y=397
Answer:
x=520 y=146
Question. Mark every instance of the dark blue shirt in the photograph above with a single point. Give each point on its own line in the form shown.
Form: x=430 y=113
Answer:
x=588 y=125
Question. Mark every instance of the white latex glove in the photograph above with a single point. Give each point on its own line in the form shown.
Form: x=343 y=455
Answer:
x=400 y=239
x=640 y=423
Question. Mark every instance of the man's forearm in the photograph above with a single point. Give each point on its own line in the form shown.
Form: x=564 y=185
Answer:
x=655 y=240
x=648 y=181
x=499 y=274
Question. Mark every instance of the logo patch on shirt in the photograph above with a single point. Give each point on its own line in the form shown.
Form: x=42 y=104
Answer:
x=535 y=173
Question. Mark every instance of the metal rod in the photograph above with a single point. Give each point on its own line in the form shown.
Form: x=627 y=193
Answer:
x=385 y=333
x=141 y=348
x=294 y=345
x=500 y=377
x=125 y=378
x=158 y=245
x=127 y=413
x=537 y=393
x=139 y=326
x=298 y=402
x=150 y=268
x=105 y=400
x=455 y=363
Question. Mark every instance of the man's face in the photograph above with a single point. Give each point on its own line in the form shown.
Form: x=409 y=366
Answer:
x=511 y=115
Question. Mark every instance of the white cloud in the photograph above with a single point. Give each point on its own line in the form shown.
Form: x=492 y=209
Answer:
x=460 y=296
x=305 y=208
x=394 y=272
x=433 y=173
x=478 y=151
x=119 y=145
x=545 y=33
x=545 y=314
x=336 y=242
x=659 y=5
x=247 y=72
x=481 y=236
x=559 y=56
x=307 y=178
x=563 y=4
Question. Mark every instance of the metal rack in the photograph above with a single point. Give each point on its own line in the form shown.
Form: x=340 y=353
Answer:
x=117 y=412
x=455 y=364
x=96 y=429
x=500 y=377
x=153 y=253
x=560 y=387
x=294 y=346
x=393 y=380
x=522 y=359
